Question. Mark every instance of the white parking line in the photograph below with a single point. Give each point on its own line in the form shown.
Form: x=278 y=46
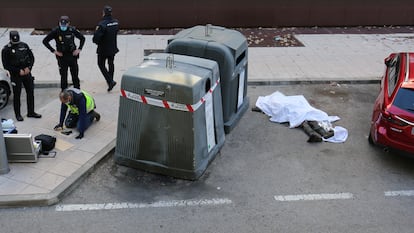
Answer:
x=217 y=201
x=129 y=205
x=406 y=193
x=315 y=197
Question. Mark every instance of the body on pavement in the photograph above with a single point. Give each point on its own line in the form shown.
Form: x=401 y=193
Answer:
x=18 y=59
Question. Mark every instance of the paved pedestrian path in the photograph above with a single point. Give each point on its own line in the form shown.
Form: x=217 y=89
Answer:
x=323 y=58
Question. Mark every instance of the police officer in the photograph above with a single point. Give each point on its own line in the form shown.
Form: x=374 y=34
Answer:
x=66 y=52
x=82 y=110
x=18 y=59
x=105 y=37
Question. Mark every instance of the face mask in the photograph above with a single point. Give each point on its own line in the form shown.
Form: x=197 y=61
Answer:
x=63 y=28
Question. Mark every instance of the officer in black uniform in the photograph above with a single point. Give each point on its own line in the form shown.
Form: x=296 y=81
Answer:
x=18 y=59
x=66 y=52
x=105 y=37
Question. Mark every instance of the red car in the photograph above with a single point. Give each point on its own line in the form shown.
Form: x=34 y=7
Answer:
x=5 y=88
x=392 y=124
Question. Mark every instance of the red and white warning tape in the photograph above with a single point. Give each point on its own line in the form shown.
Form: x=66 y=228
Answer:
x=168 y=104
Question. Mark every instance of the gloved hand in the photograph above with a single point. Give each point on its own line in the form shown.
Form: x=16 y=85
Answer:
x=58 y=127
x=80 y=136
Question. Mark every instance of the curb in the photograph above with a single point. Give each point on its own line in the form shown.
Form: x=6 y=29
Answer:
x=367 y=80
x=70 y=183
x=51 y=84
x=303 y=82
x=47 y=84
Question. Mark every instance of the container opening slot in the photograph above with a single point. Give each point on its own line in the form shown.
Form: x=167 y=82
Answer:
x=208 y=85
x=240 y=58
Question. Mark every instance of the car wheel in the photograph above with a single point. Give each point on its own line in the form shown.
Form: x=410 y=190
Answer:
x=4 y=95
x=370 y=139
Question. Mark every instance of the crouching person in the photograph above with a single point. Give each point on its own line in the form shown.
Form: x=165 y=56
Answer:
x=81 y=110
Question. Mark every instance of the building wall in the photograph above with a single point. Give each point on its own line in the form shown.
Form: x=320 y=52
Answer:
x=44 y=14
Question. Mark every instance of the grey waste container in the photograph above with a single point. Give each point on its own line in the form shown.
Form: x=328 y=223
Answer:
x=4 y=162
x=229 y=49
x=170 y=116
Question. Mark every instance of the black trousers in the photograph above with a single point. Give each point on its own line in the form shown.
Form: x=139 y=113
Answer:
x=68 y=62
x=108 y=73
x=28 y=84
x=72 y=120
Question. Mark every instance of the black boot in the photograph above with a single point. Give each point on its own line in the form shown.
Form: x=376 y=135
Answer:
x=313 y=135
x=321 y=131
x=111 y=86
x=34 y=115
x=96 y=115
x=19 y=117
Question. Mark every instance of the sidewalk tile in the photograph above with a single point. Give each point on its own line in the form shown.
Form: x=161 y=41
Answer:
x=49 y=181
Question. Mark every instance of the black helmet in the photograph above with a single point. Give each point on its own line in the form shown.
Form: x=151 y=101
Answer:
x=14 y=37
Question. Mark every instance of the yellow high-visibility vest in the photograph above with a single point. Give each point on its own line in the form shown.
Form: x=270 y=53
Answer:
x=90 y=103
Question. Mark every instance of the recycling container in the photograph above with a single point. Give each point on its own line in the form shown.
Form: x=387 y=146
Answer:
x=229 y=49
x=4 y=163
x=170 y=116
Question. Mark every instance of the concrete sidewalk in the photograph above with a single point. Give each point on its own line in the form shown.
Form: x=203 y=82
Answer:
x=340 y=58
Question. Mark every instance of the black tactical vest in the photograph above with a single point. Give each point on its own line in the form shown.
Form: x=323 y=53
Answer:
x=20 y=56
x=65 y=41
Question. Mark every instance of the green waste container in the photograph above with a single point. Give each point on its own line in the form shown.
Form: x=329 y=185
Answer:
x=229 y=49
x=170 y=116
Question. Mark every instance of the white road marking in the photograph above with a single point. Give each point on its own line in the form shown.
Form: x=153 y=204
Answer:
x=216 y=201
x=315 y=197
x=406 y=193
x=130 y=205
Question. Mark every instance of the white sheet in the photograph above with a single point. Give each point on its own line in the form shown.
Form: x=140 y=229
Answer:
x=295 y=110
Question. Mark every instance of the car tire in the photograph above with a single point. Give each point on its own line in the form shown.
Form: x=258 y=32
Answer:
x=371 y=142
x=4 y=95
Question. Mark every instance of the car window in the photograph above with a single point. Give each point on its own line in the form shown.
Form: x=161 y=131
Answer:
x=405 y=99
x=393 y=71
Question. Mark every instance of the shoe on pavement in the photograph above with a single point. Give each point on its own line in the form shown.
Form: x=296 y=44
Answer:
x=19 y=118
x=111 y=86
x=97 y=116
x=34 y=115
x=315 y=138
x=256 y=109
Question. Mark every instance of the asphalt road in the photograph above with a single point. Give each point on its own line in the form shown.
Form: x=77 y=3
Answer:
x=266 y=178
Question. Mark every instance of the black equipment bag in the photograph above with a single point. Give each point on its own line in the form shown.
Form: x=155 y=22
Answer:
x=48 y=142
